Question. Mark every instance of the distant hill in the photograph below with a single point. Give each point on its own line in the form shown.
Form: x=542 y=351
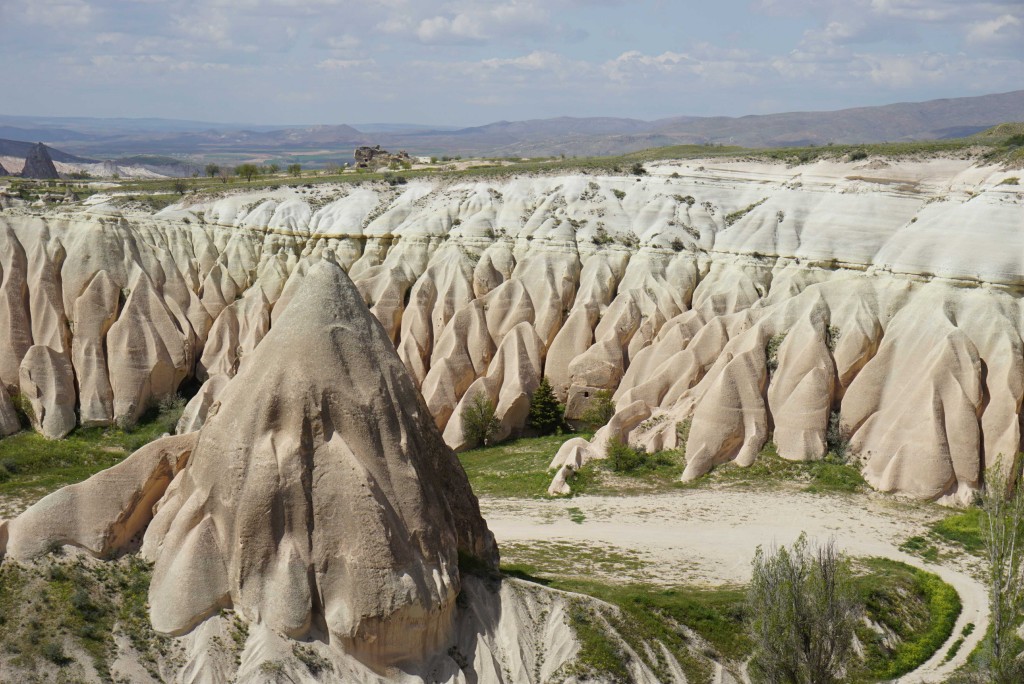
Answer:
x=947 y=118
x=112 y=138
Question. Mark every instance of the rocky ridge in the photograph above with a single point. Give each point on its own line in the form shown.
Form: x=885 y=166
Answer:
x=740 y=299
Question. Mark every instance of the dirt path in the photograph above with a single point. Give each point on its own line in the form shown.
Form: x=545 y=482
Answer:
x=709 y=537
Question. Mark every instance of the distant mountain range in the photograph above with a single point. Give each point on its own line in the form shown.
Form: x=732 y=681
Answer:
x=199 y=141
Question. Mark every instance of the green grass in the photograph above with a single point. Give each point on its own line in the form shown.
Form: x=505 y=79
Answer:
x=647 y=615
x=914 y=604
x=827 y=476
x=519 y=469
x=33 y=465
x=515 y=469
x=963 y=529
x=43 y=606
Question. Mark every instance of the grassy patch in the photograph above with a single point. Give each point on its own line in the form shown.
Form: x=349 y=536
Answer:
x=47 y=606
x=963 y=529
x=33 y=465
x=913 y=612
x=519 y=469
x=914 y=605
x=516 y=469
x=647 y=615
x=827 y=476
x=581 y=560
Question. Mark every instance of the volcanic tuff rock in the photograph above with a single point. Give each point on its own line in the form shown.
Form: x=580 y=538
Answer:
x=319 y=504
x=38 y=163
x=3 y=171
x=886 y=292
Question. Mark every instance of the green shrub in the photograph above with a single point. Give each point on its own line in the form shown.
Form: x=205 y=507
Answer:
x=600 y=411
x=619 y=194
x=479 y=424
x=771 y=352
x=623 y=458
x=638 y=169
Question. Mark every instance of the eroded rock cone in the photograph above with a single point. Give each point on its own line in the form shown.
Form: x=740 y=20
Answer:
x=3 y=171
x=38 y=163
x=320 y=497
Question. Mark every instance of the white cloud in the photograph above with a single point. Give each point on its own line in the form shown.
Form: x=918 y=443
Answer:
x=344 y=64
x=462 y=28
x=1003 y=28
x=55 y=13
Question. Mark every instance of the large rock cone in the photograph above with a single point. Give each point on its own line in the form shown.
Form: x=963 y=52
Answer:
x=320 y=498
x=38 y=164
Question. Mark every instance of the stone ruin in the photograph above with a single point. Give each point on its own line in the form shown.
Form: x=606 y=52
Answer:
x=373 y=157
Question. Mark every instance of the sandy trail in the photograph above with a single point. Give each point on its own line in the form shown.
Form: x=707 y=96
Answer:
x=709 y=537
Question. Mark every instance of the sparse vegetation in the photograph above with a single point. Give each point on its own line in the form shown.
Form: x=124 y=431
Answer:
x=66 y=605
x=619 y=194
x=771 y=352
x=740 y=213
x=600 y=411
x=479 y=424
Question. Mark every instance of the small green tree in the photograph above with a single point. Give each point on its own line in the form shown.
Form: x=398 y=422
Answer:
x=479 y=425
x=600 y=411
x=802 y=610
x=247 y=171
x=212 y=170
x=273 y=169
x=545 y=412
x=295 y=170
x=180 y=185
x=1002 y=528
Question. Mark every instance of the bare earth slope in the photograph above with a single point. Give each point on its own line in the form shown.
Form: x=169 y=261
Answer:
x=745 y=298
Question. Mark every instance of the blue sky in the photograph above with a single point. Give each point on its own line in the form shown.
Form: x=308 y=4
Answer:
x=466 y=63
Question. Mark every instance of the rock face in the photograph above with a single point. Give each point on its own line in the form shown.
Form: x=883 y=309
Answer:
x=3 y=171
x=371 y=157
x=319 y=503
x=341 y=512
x=743 y=301
x=38 y=164
x=317 y=500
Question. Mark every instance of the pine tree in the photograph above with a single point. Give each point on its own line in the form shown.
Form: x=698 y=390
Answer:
x=545 y=411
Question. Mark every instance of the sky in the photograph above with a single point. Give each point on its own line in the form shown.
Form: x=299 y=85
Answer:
x=462 y=63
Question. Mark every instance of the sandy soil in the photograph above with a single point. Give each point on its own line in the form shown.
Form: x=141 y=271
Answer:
x=709 y=537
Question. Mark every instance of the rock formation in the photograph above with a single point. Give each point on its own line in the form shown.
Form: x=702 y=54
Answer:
x=320 y=506
x=38 y=164
x=371 y=157
x=747 y=300
x=3 y=171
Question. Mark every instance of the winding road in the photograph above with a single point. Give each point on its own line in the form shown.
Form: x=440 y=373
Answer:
x=708 y=537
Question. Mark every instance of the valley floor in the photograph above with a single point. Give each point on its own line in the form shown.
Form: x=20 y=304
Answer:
x=708 y=537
